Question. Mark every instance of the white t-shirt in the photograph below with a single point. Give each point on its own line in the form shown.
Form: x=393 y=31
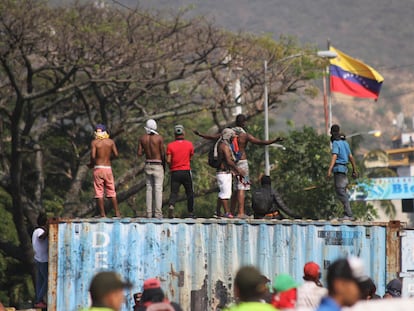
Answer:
x=40 y=247
x=309 y=295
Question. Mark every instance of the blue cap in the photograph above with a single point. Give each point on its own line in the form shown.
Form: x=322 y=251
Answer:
x=100 y=127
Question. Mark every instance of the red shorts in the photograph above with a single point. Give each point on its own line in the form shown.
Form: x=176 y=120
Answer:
x=103 y=182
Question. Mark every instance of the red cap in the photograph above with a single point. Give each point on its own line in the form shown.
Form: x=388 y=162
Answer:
x=152 y=283
x=312 y=270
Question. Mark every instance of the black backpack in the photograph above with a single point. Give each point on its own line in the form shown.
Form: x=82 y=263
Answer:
x=214 y=159
x=261 y=201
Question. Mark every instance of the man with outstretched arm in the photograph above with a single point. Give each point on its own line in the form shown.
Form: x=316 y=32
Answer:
x=243 y=138
x=341 y=156
x=151 y=144
x=102 y=148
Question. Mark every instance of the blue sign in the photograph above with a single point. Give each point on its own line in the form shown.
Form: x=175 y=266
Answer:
x=390 y=188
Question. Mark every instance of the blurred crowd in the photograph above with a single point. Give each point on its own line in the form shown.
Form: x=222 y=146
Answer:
x=346 y=284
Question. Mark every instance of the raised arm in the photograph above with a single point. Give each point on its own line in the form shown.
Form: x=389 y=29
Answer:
x=257 y=141
x=205 y=136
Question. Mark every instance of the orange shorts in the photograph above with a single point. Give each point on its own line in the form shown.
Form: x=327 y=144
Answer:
x=103 y=182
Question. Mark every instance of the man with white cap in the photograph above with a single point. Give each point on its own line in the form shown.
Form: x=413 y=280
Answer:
x=152 y=145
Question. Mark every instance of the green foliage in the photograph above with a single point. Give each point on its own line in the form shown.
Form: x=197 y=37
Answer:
x=300 y=175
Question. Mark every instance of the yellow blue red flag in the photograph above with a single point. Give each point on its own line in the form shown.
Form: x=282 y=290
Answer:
x=352 y=77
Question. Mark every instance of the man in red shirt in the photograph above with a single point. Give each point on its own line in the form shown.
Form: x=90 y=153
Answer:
x=179 y=154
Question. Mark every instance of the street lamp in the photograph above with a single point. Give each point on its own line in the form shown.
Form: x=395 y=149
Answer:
x=323 y=54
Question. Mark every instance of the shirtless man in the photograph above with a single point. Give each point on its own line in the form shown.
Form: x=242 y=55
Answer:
x=102 y=148
x=152 y=145
x=243 y=139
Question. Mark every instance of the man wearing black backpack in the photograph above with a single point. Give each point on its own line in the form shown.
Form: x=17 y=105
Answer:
x=225 y=171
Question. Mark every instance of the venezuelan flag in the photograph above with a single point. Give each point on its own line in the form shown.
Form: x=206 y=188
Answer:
x=352 y=77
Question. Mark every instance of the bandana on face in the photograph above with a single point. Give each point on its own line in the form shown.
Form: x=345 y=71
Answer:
x=99 y=134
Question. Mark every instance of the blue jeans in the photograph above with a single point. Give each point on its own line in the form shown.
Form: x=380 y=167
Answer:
x=341 y=182
x=41 y=280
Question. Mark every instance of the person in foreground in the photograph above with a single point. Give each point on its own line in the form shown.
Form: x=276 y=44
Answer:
x=310 y=293
x=107 y=292
x=153 y=298
x=345 y=280
x=249 y=291
x=341 y=156
x=102 y=148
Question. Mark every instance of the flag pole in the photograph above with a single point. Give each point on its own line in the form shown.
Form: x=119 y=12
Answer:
x=325 y=99
x=329 y=89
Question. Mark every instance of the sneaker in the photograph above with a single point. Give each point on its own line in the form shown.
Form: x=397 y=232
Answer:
x=171 y=211
x=40 y=305
x=347 y=218
x=243 y=216
x=228 y=215
x=191 y=215
x=217 y=216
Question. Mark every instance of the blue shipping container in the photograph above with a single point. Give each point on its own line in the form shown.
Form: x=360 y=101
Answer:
x=196 y=260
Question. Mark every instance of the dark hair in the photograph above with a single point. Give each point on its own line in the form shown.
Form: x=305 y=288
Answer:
x=42 y=219
x=265 y=180
x=250 y=284
x=335 y=129
x=340 y=269
x=153 y=295
x=240 y=118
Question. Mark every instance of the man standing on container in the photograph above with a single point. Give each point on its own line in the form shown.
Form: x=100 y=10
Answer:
x=243 y=138
x=107 y=292
x=341 y=156
x=226 y=169
x=40 y=248
x=102 y=148
x=179 y=154
x=152 y=145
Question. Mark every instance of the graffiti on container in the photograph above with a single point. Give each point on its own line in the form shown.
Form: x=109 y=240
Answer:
x=345 y=238
x=100 y=240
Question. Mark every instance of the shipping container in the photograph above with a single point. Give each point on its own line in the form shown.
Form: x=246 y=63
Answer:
x=196 y=260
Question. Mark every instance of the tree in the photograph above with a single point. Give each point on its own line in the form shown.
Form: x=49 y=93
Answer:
x=65 y=69
x=300 y=174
